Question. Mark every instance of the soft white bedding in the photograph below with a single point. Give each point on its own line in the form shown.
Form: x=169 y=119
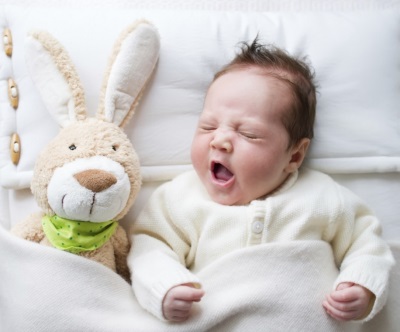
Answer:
x=284 y=294
x=356 y=54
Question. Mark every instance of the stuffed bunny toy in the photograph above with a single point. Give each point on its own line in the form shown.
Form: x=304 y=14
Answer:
x=88 y=176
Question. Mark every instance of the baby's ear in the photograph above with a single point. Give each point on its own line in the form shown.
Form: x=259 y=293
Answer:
x=298 y=153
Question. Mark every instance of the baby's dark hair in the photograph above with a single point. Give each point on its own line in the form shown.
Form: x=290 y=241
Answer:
x=295 y=72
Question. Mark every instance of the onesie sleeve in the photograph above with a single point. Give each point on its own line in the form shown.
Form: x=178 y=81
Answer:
x=157 y=257
x=363 y=256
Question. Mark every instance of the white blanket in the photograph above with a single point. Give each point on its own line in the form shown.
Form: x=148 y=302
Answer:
x=44 y=289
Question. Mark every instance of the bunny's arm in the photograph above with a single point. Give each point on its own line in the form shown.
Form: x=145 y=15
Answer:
x=121 y=247
x=30 y=229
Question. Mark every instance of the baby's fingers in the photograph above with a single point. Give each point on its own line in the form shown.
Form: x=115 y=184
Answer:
x=345 y=294
x=178 y=302
x=344 y=306
x=176 y=310
x=341 y=315
x=187 y=293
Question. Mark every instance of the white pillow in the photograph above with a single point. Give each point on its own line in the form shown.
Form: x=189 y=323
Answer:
x=356 y=56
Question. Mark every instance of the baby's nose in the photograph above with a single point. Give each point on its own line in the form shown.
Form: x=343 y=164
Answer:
x=222 y=141
x=95 y=180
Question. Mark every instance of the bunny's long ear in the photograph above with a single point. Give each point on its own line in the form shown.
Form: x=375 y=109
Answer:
x=130 y=67
x=55 y=77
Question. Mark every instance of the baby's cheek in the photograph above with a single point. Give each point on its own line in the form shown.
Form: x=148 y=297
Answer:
x=198 y=152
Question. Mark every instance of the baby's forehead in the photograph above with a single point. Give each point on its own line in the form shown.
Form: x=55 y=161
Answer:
x=244 y=86
x=280 y=77
x=267 y=79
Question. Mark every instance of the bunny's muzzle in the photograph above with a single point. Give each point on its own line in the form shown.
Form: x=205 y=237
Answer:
x=89 y=189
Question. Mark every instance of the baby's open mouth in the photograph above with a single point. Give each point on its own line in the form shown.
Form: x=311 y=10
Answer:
x=221 y=173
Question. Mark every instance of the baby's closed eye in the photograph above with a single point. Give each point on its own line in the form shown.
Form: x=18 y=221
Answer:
x=206 y=127
x=249 y=135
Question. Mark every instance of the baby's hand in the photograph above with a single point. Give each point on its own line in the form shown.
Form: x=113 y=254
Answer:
x=178 y=302
x=348 y=302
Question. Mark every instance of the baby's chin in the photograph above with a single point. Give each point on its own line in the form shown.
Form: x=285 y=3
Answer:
x=228 y=198
x=233 y=197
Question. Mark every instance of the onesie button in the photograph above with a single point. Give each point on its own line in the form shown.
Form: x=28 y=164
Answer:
x=257 y=227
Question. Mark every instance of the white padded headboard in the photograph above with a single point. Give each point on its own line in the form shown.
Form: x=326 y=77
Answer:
x=357 y=129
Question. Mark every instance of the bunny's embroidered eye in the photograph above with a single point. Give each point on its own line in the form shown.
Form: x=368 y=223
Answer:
x=115 y=147
x=72 y=147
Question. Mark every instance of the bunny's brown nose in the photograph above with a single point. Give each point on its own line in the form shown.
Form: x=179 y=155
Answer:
x=95 y=180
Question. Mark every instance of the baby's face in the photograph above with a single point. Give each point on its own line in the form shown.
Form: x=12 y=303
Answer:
x=240 y=148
